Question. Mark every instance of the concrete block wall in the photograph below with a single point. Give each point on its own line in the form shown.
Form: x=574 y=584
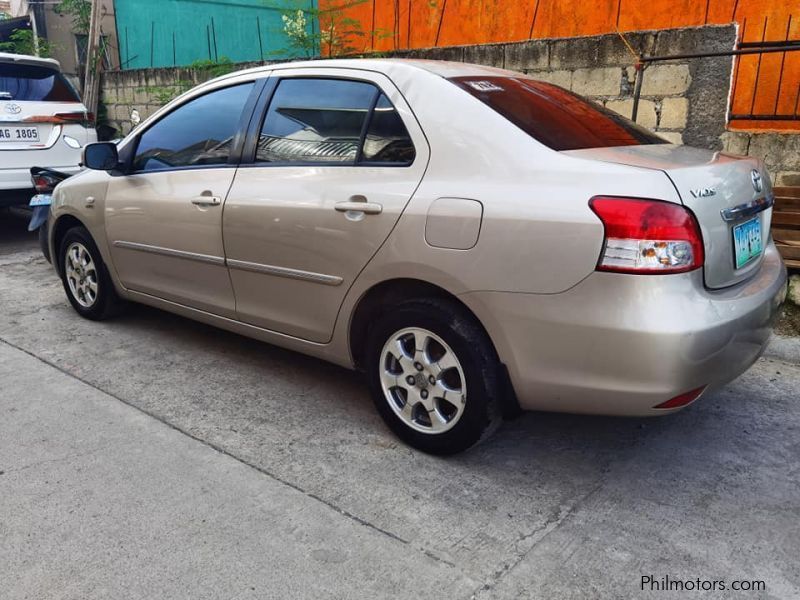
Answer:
x=684 y=101
x=147 y=90
x=599 y=67
x=779 y=151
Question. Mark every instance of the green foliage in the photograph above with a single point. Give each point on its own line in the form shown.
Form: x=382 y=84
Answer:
x=79 y=10
x=337 y=36
x=166 y=93
x=162 y=94
x=223 y=66
x=21 y=42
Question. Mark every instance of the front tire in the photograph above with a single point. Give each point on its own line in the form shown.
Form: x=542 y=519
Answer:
x=85 y=277
x=434 y=375
x=43 y=242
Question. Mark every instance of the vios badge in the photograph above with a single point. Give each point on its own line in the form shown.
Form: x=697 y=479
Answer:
x=13 y=109
x=755 y=176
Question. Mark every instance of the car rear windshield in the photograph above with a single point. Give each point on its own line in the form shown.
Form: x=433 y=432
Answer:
x=33 y=83
x=554 y=116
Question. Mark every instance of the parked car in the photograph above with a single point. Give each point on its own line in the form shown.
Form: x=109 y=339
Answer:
x=42 y=123
x=474 y=240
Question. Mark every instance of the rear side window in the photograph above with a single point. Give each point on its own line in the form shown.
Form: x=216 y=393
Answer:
x=554 y=116
x=332 y=121
x=33 y=83
x=198 y=133
x=387 y=139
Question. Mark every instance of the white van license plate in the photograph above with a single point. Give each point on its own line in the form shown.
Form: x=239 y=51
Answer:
x=747 y=241
x=18 y=134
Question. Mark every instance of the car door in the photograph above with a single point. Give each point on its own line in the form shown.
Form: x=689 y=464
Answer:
x=336 y=158
x=164 y=217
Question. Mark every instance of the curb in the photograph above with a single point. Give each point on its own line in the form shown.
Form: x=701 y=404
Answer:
x=784 y=348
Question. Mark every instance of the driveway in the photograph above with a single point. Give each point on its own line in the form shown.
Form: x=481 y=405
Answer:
x=154 y=457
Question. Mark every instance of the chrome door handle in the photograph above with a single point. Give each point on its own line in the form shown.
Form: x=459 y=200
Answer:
x=369 y=208
x=207 y=201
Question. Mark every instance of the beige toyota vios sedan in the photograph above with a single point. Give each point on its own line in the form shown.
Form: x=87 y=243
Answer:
x=476 y=241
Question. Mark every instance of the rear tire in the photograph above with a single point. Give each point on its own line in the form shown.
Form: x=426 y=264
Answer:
x=434 y=375
x=85 y=277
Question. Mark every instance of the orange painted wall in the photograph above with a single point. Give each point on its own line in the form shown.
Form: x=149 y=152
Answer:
x=402 y=24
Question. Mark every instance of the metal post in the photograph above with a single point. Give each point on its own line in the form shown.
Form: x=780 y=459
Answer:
x=91 y=82
x=260 y=45
x=441 y=20
x=637 y=90
x=214 y=38
x=35 y=31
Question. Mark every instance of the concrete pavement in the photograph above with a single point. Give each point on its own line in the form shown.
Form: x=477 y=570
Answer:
x=172 y=422
x=100 y=500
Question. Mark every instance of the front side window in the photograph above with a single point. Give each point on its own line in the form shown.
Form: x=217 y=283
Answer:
x=554 y=116
x=332 y=121
x=35 y=84
x=198 y=133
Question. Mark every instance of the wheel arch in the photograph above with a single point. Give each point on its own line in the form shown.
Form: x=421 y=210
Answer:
x=393 y=291
x=63 y=224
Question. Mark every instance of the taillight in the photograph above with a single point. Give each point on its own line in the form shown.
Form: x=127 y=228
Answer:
x=647 y=236
x=44 y=183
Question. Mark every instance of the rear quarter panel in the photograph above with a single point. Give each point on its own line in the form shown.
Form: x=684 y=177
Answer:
x=538 y=234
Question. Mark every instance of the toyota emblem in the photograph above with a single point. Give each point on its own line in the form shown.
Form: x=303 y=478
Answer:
x=755 y=176
x=13 y=109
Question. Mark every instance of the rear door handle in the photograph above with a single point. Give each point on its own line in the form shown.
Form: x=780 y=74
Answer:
x=207 y=201
x=369 y=208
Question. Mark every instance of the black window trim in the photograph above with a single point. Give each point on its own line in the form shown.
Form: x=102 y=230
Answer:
x=260 y=114
x=235 y=158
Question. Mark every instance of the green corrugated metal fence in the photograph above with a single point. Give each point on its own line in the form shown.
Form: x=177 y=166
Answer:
x=165 y=33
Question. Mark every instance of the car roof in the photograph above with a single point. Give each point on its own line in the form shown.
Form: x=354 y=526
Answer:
x=442 y=68
x=26 y=59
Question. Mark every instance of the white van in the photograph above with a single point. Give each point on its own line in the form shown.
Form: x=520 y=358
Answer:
x=42 y=123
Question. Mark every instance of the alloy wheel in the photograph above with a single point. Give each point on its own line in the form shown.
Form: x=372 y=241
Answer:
x=422 y=380
x=81 y=273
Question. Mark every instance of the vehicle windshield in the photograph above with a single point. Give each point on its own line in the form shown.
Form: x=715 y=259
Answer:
x=34 y=83
x=554 y=116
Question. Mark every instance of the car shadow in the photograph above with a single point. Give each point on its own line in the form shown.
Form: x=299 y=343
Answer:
x=525 y=436
x=14 y=234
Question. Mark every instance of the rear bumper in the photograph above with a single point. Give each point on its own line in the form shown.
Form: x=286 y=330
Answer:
x=621 y=344
x=20 y=178
x=15 y=184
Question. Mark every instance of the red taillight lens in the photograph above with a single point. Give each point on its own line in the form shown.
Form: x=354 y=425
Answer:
x=647 y=236
x=682 y=400
x=44 y=184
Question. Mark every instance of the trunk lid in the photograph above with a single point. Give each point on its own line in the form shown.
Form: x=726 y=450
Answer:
x=725 y=192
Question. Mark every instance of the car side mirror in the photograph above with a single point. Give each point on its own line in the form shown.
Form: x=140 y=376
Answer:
x=101 y=156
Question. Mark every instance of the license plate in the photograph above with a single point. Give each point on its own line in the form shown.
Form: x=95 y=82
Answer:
x=747 y=241
x=41 y=200
x=18 y=134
